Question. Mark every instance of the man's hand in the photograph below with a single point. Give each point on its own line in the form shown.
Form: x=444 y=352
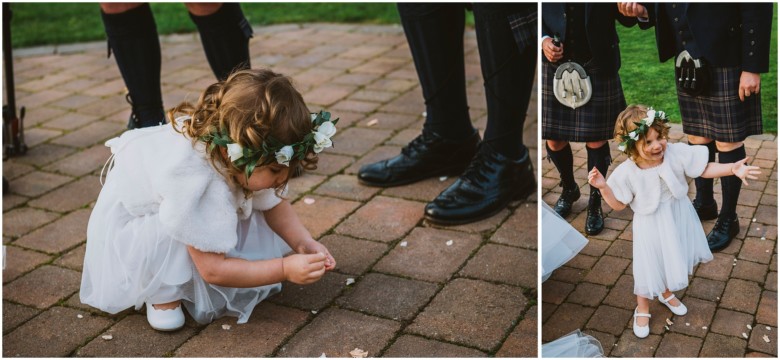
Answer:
x=749 y=84
x=632 y=10
x=551 y=52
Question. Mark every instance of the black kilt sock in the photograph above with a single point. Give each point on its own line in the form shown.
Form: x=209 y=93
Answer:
x=132 y=37
x=600 y=158
x=225 y=37
x=563 y=160
x=704 y=192
x=730 y=185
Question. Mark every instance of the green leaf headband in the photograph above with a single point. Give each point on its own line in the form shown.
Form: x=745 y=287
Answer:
x=249 y=159
x=641 y=130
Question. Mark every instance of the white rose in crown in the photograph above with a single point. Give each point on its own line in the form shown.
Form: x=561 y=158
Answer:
x=662 y=115
x=622 y=147
x=322 y=136
x=284 y=155
x=235 y=151
x=650 y=117
x=633 y=135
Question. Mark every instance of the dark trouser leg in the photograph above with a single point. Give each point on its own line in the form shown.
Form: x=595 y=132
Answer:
x=508 y=74
x=564 y=162
x=225 y=37
x=132 y=37
x=435 y=36
x=599 y=158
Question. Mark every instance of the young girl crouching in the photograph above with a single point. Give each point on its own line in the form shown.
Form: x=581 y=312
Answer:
x=668 y=236
x=191 y=212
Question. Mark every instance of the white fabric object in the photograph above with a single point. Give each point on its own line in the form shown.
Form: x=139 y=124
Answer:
x=573 y=345
x=560 y=241
x=162 y=195
x=668 y=236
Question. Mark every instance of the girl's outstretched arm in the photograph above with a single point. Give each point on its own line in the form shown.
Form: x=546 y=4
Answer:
x=739 y=169
x=217 y=269
x=597 y=180
x=284 y=221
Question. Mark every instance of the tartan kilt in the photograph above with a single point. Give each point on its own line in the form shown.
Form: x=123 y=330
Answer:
x=595 y=121
x=720 y=115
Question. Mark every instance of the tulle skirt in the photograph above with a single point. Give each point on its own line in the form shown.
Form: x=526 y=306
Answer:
x=667 y=245
x=574 y=345
x=129 y=261
x=560 y=241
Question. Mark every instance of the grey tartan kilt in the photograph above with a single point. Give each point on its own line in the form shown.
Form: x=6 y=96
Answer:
x=595 y=121
x=720 y=115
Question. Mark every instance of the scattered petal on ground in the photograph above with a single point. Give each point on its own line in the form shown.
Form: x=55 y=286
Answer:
x=766 y=338
x=308 y=201
x=744 y=335
x=80 y=316
x=109 y=337
x=314 y=312
x=669 y=322
x=225 y=327
x=704 y=327
x=449 y=242
x=769 y=328
x=687 y=324
x=358 y=353
x=323 y=355
x=749 y=327
x=404 y=243
x=666 y=327
x=372 y=122
x=442 y=178
x=350 y=281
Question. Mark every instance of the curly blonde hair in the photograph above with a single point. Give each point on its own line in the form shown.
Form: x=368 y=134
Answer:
x=626 y=123
x=251 y=105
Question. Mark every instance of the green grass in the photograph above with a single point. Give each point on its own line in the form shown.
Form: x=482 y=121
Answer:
x=647 y=81
x=62 y=23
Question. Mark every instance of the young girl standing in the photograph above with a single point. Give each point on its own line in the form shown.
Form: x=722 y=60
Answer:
x=668 y=237
x=191 y=212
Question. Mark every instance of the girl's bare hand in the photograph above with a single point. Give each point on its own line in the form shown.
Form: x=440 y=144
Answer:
x=304 y=268
x=596 y=179
x=744 y=172
x=314 y=247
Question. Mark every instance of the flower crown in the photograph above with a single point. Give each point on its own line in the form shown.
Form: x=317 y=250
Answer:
x=249 y=158
x=642 y=127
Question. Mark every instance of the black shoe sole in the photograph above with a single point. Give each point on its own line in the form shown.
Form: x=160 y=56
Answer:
x=521 y=195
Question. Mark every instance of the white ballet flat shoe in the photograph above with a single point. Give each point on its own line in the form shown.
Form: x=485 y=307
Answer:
x=641 y=331
x=677 y=310
x=165 y=320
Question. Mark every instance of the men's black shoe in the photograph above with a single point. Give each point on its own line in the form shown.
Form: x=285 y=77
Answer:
x=151 y=116
x=706 y=212
x=721 y=234
x=594 y=222
x=428 y=155
x=567 y=199
x=489 y=184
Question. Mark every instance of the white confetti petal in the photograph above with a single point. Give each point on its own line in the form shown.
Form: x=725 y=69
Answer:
x=314 y=312
x=404 y=243
x=308 y=201
x=769 y=328
x=442 y=178
x=754 y=219
x=372 y=122
x=358 y=353
x=687 y=324
x=323 y=355
x=80 y=316
x=666 y=327
x=669 y=322
x=704 y=327
x=749 y=327
x=766 y=338
x=718 y=297
x=763 y=238
x=744 y=335
x=449 y=243
x=107 y=337
x=225 y=327
x=424 y=113
x=350 y=281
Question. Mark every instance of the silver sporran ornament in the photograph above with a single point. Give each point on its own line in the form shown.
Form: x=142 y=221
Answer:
x=571 y=85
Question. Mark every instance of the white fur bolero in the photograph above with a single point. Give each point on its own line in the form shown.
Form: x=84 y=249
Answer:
x=641 y=188
x=157 y=171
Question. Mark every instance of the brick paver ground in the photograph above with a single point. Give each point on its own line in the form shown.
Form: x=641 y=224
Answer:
x=475 y=297
x=732 y=300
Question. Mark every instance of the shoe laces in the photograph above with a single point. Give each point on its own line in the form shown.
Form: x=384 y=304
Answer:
x=418 y=143
x=478 y=167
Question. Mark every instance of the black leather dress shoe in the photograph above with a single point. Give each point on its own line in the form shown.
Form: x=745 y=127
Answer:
x=721 y=234
x=426 y=156
x=594 y=223
x=706 y=212
x=489 y=184
x=568 y=197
